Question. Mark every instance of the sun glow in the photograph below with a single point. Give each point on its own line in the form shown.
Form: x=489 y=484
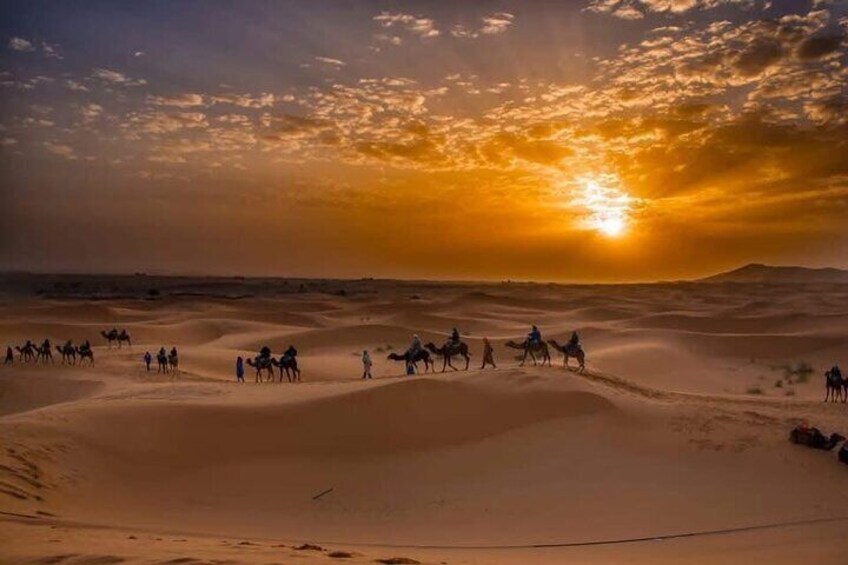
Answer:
x=608 y=208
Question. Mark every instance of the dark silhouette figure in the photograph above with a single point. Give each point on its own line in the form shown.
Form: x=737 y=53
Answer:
x=488 y=354
x=10 y=356
x=239 y=369
x=162 y=360
x=148 y=358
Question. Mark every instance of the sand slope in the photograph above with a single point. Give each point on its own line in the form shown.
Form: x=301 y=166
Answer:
x=661 y=436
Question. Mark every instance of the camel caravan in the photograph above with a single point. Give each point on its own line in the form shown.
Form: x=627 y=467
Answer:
x=69 y=353
x=265 y=362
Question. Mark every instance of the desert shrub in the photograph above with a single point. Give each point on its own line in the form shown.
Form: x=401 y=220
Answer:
x=754 y=390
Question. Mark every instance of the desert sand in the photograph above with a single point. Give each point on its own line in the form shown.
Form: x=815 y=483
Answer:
x=678 y=426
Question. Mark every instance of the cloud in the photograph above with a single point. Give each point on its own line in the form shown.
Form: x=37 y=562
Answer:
x=74 y=85
x=60 y=149
x=262 y=100
x=115 y=77
x=416 y=25
x=635 y=9
x=817 y=47
x=329 y=61
x=20 y=44
x=493 y=24
x=497 y=23
x=187 y=100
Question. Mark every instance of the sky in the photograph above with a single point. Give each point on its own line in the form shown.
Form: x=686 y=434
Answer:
x=584 y=141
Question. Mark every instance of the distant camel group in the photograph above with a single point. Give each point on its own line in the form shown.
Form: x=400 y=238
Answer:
x=114 y=336
x=33 y=353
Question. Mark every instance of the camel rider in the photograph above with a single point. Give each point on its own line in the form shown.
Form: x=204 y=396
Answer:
x=46 y=345
x=415 y=347
x=454 y=337
x=835 y=373
x=574 y=341
x=265 y=352
x=174 y=352
x=86 y=346
x=534 y=337
x=291 y=352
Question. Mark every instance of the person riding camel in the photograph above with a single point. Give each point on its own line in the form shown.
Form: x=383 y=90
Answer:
x=86 y=346
x=291 y=352
x=454 y=337
x=574 y=342
x=265 y=352
x=415 y=347
x=534 y=337
x=46 y=344
x=835 y=372
x=174 y=352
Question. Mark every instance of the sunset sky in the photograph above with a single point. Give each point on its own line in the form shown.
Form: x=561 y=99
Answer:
x=586 y=140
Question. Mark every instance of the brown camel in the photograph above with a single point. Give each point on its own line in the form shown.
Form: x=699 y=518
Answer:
x=27 y=352
x=119 y=337
x=422 y=355
x=85 y=353
x=569 y=350
x=448 y=350
x=287 y=365
x=68 y=353
x=835 y=387
x=261 y=363
x=540 y=348
x=44 y=352
x=173 y=362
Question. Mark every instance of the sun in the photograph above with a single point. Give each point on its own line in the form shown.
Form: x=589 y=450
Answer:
x=607 y=208
x=611 y=227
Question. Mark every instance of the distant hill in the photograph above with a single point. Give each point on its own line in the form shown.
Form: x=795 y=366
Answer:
x=756 y=273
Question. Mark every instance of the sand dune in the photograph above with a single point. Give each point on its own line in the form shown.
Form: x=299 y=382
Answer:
x=661 y=436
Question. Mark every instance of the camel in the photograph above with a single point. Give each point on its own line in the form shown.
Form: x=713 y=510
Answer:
x=119 y=337
x=570 y=350
x=85 y=353
x=261 y=363
x=422 y=355
x=68 y=353
x=812 y=437
x=173 y=362
x=836 y=387
x=287 y=364
x=26 y=353
x=162 y=361
x=532 y=349
x=449 y=350
x=44 y=352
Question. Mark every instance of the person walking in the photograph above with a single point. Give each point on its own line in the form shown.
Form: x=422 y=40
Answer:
x=488 y=354
x=366 y=364
x=10 y=357
x=240 y=369
x=147 y=359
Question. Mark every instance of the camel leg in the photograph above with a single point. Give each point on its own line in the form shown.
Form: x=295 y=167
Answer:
x=448 y=358
x=467 y=361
